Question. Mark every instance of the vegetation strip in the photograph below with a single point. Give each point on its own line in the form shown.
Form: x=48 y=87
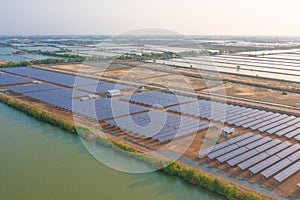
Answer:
x=175 y=168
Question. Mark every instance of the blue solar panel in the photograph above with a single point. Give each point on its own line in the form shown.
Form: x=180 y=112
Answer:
x=99 y=109
x=7 y=79
x=287 y=172
x=103 y=87
x=105 y=108
x=52 y=99
x=158 y=99
x=52 y=77
x=32 y=88
x=159 y=126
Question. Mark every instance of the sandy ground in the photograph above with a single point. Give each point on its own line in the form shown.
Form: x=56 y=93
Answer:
x=256 y=93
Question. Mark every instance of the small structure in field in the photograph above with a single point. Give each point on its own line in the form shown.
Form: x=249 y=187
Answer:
x=92 y=96
x=113 y=93
x=226 y=131
x=84 y=99
x=213 y=52
x=141 y=89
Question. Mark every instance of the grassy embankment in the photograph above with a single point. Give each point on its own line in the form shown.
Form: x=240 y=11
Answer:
x=188 y=174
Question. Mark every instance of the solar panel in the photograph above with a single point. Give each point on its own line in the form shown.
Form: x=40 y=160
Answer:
x=277 y=128
x=222 y=151
x=245 y=122
x=288 y=151
x=105 y=108
x=23 y=71
x=257 y=114
x=285 y=174
x=232 y=154
x=221 y=145
x=32 y=88
x=276 y=168
x=268 y=145
x=53 y=77
x=264 y=164
x=102 y=87
x=278 y=148
x=294 y=157
x=99 y=109
x=293 y=133
x=239 y=138
x=278 y=121
x=7 y=79
x=272 y=128
x=158 y=99
x=258 y=143
x=259 y=120
x=55 y=100
x=286 y=130
x=248 y=140
x=159 y=126
x=204 y=152
x=234 y=121
x=297 y=138
x=252 y=161
x=266 y=121
x=173 y=136
x=294 y=122
x=242 y=157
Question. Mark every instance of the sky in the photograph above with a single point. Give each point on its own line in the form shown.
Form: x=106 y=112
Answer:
x=189 y=17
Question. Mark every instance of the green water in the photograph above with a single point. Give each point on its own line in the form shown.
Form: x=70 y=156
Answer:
x=40 y=162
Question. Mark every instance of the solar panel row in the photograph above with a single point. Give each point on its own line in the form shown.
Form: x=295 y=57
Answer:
x=105 y=108
x=52 y=77
x=7 y=79
x=158 y=99
x=32 y=88
x=271 y=158
x=157 y=125
x=204 y=152
x=272 y=123
x=103 y=87
x=87 y=84
x=99 y=109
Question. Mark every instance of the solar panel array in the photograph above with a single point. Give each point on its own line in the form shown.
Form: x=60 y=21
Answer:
x=158 y=99
x=272 y=123
x=87 y=84
x=159 y=126
x=52 y=77
x=105 y=108
x=103 y=87
x=7 y=79
x=33 y=88
x=260 y=155
x=99 y=109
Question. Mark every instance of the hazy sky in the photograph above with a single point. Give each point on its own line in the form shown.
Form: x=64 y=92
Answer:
x=203 y=17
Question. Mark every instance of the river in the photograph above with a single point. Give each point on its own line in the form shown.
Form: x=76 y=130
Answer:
x=41 y=162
